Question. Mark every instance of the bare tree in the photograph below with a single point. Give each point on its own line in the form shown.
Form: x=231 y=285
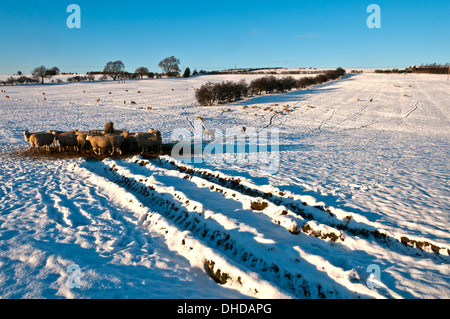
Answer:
x=170 y=66
x=114 y=69
x=41 y=73
x=142 y=71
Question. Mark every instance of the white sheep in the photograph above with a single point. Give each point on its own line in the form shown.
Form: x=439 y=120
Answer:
x=110 y=141
x=130 y=138
x=39 y=139
x=208 y=132
x=83 y=143
x=153 y=131
x=65 y=139
x=148 y=141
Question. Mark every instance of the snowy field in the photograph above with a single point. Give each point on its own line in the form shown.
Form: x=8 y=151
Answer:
x=358 y=207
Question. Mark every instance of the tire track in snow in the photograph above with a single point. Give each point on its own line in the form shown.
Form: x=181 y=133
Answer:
x=324 y=121
x=164 y=217
x=329 y=216
x=416 y=106
x=277 y=264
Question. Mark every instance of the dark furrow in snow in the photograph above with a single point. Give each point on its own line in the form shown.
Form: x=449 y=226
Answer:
x=321 y=214
x=295 y=276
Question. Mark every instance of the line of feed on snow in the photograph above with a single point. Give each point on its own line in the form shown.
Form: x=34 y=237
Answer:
x=272 y=265
x=178 y=215
x=279 y=214
x=308 y=207
x=181 y=198
x=312 y=228
x=184 y=242
x=318 y=210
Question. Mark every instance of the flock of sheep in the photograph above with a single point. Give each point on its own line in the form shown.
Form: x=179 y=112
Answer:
x=99 y=142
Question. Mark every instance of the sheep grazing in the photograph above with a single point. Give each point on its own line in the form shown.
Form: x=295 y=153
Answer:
x=98 y=143
x=98 y=100
x=133 y=102
x=149 y=141
x=39 y=139
x=208 y=132
x=67 y=140
x=7 y=97
x=116 y=142
x=102 y=143
x=83 y=143
x=153 y=131
x=130 y=141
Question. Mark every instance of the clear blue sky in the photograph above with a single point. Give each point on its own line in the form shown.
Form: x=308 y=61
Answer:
x=214 y=34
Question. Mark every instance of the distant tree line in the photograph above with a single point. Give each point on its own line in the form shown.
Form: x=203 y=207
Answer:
x=227 y=91
x=433 y=68
x=114 y=70
x=81 y=78
x=20 y=80
x=424 y=68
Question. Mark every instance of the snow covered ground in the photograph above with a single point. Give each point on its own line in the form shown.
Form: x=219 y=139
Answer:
x=358 y=207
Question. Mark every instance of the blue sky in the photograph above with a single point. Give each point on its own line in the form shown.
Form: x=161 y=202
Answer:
x=214 y=35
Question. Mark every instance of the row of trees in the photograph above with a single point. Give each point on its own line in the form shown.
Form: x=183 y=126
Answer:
x=38 y=74
x=114 y=70
x=227 y=91
x=20 y=80
x=433 y=68
x=424 y=68
x=41 y=72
